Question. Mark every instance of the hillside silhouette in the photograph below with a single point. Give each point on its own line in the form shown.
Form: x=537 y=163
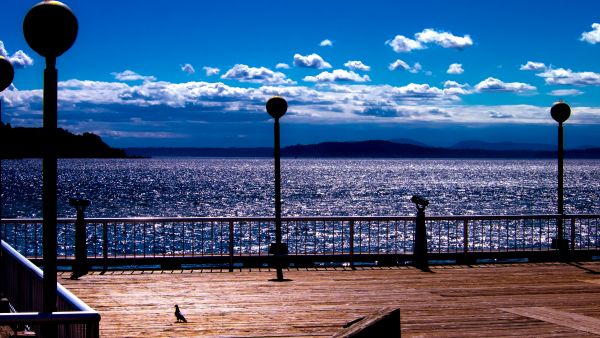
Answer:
x=21 y=142
x=362 y=149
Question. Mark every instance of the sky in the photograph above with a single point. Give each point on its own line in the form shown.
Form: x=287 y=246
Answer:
x=198 y=73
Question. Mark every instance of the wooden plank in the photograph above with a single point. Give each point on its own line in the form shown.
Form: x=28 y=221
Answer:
x=568 y=319
x=452 y=301
x=383 y=323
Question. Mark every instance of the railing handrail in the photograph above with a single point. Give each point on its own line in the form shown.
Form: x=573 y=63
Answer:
x=62 y=317
x=300 y=218
x=62 y=292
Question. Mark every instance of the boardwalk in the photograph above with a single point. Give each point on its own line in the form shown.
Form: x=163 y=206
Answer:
x=549 y=299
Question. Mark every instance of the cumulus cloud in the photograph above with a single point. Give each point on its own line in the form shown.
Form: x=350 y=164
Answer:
x=399 y=64
x=444 y=39
x=129 y=75
x=310 y=61
x=338 y=75
x=162 y=109
x=244 y=73
x=565 y=92
x=282 y=65
x=326 y=43
x=402 y=44
x=19 y=59
x=188 y=68
x=454 y=84
x=495 y=85
x=592 y=36
x=530 y=65
x=498 y=115
x=563 y=76
x=455 y=68
x=357 y=65
x=210 y=71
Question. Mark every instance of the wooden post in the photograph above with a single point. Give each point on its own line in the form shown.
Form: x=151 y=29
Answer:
x=231 y=246
x=352 y=245
x=105 y=245
x=466 y=241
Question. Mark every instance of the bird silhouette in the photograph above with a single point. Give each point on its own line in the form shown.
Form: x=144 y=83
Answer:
x=179 y=315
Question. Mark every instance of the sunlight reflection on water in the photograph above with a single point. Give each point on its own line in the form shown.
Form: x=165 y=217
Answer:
x=310 y=187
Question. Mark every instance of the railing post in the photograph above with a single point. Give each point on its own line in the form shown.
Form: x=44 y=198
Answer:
x=105 y=245
x=466 y=241
x=352 y=245
x=231 y=246
x=420 y=245
x=572 y=236
x=80 y=267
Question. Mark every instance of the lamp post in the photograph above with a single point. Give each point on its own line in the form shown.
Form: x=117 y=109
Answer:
x=50 y=29
x=560 y=112
x=276 y=107
x=7 y=73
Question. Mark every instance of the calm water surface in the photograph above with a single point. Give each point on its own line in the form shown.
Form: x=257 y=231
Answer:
x=310 y=187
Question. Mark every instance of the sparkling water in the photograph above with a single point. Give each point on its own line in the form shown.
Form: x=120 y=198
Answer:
x=177 y=187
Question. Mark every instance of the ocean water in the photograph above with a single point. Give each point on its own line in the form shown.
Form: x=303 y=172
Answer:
x=179 y=187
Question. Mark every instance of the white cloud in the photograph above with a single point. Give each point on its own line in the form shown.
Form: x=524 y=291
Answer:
x=282 y=65
x=129 y=75
x=188 y=68
x=19 y=59
x=337 y=75
x=357 y=65
x=416 y=68
x=402 y=44
x=494 y=85
x=244 y=73
x=566 y=92
x=531 y=65
x=454 y=84
x=398 y=64
x=592 y=36
x=455 y=68
x=444 y=39
x=210 y=71
x=161 y=108
x=310 y=61
x=326 y=43
x=563 y=76
x=497 y=115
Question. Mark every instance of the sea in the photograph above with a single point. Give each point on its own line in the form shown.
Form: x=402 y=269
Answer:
x=218 y=187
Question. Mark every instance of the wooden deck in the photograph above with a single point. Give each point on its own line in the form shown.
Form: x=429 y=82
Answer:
x=545 y=299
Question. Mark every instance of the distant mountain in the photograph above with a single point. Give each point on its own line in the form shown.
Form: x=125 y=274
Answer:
x=474 y=144
x=199 y=152
x=363 y=149
x=22 y=142
x=386 y=149
x=409 y=141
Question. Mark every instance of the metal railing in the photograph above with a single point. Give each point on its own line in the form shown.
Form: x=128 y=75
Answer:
x=22 y=283
x=139 y=238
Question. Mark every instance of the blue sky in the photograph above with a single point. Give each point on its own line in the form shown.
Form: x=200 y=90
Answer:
x=198 y=73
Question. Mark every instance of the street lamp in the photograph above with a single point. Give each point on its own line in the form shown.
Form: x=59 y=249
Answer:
x=276 y=107
x=560 y=112
x=50 y=29
x=7 y=73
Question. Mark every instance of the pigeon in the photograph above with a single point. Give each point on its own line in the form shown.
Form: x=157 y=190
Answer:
x=179 y=315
